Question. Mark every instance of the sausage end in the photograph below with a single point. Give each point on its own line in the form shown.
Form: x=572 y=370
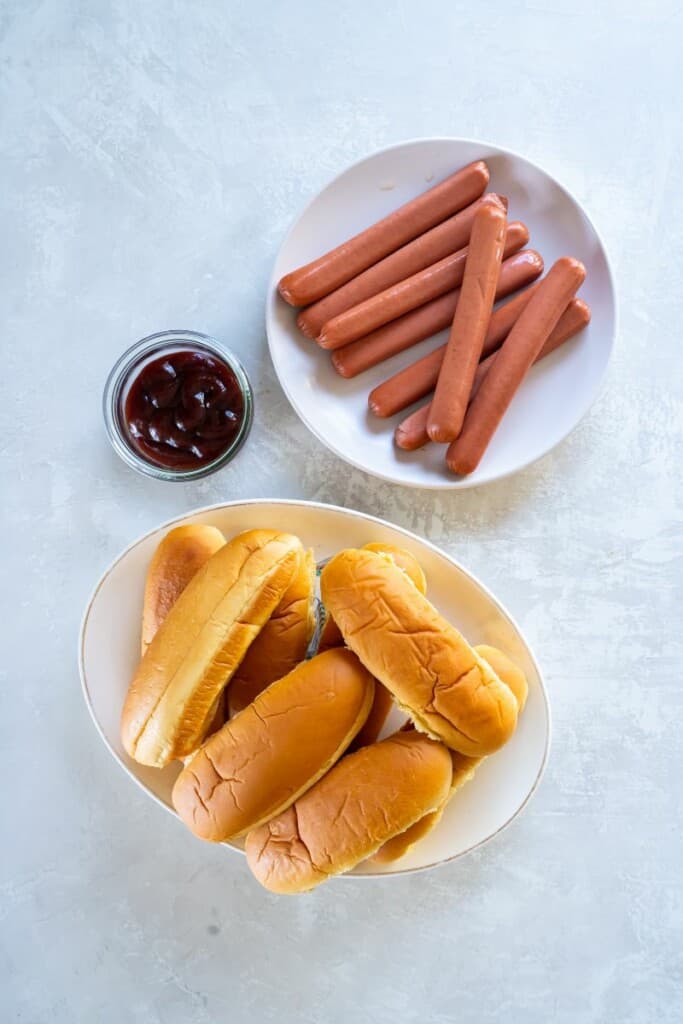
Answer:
x=285 y=291
x=339 y=366
x=304 y=326
x=376 y=409
x=441 y=434
x=458 y=463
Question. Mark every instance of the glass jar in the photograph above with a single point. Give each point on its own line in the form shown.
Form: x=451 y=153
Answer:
x=126 y=371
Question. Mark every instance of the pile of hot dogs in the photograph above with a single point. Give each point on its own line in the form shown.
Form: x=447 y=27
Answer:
x=441 y=260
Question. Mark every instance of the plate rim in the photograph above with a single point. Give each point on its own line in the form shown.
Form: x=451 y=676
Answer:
x=353 y=513
x=464 y=483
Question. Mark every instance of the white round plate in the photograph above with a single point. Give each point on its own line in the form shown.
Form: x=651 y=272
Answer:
x=110 y=645
x=557 y=392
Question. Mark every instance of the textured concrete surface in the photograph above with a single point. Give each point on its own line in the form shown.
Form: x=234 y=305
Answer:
x=152 y=157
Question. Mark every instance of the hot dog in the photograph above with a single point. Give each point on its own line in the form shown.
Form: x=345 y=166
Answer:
x=419 y=379
x=518 y=352
x=401 y=298
x=470 y=323
x=434 y=245
x=320 y=277
x=516 y=272
x=400 y=334
x=411 y=433
x=575 y=317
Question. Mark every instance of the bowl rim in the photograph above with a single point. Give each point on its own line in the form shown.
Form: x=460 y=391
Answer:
x=458 y=483
x=354 y=513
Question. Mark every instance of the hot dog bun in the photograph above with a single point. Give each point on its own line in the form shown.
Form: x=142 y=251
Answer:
x=505 y=669
x=201 y=642
x=442 y=684
x=404 y=560
x=330 y=635
x=281 y=644
x=179 y=556
x=382 y=704
x=367 y=798
x=463 y=767
x=278 y=747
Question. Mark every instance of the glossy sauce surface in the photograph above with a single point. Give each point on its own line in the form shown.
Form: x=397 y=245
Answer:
x=183 y=410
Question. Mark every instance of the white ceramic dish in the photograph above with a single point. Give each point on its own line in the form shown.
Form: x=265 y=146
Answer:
x=110 y=638
x=557 y=392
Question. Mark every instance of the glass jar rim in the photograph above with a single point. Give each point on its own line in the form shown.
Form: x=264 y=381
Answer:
x=121 y=373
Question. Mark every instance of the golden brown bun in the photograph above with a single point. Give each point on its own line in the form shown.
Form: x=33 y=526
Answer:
x=331 y=634
x=506 y=670
x=331 y=637
x=442 y=684
x=367 y=798
x=463 y=767
x=463 y=771
x=201 y=642
x=274 y=750
x=384 y=700
x=179 y=556
x=281 y=644
x=404 y=560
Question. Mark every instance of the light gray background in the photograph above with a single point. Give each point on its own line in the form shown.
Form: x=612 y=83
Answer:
x=153 y=155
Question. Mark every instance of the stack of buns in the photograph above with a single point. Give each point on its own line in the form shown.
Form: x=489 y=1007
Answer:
x=279 y=731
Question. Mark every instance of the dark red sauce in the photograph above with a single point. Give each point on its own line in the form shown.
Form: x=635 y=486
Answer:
x=183 y=410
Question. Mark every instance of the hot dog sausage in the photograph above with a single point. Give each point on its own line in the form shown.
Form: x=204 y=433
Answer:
x=411 y=433
x=427 y=284
x=320 y=277
x=400 y=334
x=575 y=317
x=434 y=245
x=470 y=323
x=518 y=352
x=516 y=272
x=419 y=379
